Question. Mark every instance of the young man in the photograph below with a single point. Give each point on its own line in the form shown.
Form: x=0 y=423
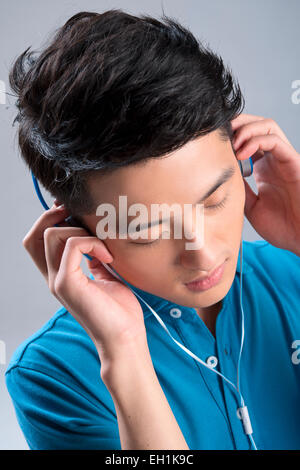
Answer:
x=121 y=105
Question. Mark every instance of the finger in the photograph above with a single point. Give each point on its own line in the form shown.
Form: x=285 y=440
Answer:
x=33 y=241
x=257 y=156
x=55 y=239
x=63 y=224
x=283 y=152
x=70 y=269
x=262 y=127
x=243 y=119
x=49 y=218
x=97 y=270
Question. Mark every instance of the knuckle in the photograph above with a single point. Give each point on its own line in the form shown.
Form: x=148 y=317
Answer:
x=58 y=285
x=52 y=287
x=26 y=241
x=48 y=232
x=270 y=121
x=71 y=242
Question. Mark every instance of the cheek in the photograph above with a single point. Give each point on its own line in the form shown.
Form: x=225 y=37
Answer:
x=229 y=222
x=136 y=262
x=237 y=202
x=234 y=218
x=236 y=209
x=149 y=258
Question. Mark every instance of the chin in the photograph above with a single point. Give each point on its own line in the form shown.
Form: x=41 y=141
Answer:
x=208 y=298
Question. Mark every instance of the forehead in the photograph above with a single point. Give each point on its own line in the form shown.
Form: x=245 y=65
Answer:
x=179 y=175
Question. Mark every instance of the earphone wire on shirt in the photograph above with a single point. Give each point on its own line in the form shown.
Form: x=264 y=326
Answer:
x=243 y=412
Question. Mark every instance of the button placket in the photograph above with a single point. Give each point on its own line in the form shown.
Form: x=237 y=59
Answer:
x=228 y=357
x=212 y=362
x=191 y=328
x=227 y=350
x=175 y=312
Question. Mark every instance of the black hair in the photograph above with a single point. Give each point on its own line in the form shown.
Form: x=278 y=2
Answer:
x=114 y=89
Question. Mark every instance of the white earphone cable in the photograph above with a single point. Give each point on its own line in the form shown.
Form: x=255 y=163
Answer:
x=242 y=411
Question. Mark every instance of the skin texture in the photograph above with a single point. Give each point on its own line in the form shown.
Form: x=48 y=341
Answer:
x=182 y=177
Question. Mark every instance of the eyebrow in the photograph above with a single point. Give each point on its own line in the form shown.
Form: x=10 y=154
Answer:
x=223 y=178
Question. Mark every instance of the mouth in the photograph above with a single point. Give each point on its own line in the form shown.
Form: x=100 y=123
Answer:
x=207 y=282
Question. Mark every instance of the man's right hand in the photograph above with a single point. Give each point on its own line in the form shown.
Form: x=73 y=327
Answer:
x=105 y=307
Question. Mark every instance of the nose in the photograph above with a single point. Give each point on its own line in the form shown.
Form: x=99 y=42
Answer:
x=202 y=260
x=200 y=250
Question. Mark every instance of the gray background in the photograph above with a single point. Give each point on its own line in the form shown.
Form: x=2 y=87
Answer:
x=259 y=40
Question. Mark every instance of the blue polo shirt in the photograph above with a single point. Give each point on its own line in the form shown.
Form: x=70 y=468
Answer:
x=61 y=402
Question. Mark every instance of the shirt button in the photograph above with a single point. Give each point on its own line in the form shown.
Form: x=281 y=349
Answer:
x=212 y=361
x=175 y=312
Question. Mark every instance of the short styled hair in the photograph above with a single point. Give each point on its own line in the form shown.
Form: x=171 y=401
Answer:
x=112 y=89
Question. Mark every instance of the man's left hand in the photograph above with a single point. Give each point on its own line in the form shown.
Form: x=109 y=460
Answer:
x=275 y=211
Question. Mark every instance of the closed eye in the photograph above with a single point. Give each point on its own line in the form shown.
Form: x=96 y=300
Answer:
x=219 y=205
x=151 y=243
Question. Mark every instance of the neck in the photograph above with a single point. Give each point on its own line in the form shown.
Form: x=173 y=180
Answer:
x=209 y=315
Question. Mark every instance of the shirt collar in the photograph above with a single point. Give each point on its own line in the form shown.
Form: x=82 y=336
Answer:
x=246 y=267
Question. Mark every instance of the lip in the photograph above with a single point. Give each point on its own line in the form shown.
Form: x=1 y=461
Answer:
x=209 y=281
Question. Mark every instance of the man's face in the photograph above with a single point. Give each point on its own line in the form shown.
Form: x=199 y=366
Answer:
x=163 y=267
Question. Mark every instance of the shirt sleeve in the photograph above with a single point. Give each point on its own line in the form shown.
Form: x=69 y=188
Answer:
x=53 y=415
